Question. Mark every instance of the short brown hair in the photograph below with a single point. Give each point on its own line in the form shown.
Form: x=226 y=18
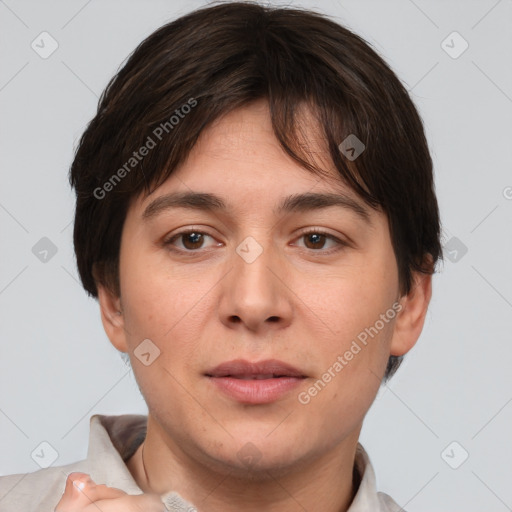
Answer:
x=222 y=57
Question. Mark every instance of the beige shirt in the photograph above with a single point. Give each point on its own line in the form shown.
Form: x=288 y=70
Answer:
x=112 y=441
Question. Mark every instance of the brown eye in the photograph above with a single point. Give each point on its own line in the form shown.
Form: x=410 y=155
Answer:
x=317 y=240
x=191 y=241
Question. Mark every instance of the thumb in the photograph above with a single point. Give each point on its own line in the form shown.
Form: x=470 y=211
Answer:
x=81 y=491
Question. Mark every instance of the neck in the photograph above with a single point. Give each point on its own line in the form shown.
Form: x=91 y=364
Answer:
x=327 y=483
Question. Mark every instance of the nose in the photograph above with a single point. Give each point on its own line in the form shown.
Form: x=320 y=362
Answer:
x=255 y=295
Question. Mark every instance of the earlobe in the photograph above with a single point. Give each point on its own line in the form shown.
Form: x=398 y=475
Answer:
x=411 y=318
x=112 y=318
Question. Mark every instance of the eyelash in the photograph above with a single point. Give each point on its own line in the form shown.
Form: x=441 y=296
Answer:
x=341 y=244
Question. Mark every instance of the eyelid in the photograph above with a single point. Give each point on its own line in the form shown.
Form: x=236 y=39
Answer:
x=340 y=241
x=320 y=231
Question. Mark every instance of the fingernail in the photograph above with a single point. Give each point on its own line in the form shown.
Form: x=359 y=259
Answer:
x=80 y=483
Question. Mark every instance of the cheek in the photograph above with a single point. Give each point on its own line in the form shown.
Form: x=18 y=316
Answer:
x=353 y=296
x=343 y=306
x=167 y=308
x=349 y=378
x=152 y=297
x=357 y=321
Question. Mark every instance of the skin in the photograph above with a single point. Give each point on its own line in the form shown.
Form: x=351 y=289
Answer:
x=300 y=301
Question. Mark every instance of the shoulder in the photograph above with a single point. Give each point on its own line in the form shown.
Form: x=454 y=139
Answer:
x=39 y=491
x=112 y=439
x=387 y=504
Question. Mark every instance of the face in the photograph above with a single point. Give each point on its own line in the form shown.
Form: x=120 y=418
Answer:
x=311 y=286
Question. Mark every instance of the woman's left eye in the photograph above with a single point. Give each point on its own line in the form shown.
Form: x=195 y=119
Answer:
x=315 y=240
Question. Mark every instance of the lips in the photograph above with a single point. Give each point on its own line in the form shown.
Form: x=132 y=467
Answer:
x=260 y=383
x=245 y=370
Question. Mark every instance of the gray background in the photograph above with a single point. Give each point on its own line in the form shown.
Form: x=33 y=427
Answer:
x=57 y=367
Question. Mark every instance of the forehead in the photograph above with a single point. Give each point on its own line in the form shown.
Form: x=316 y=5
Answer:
x=246 y=133
x=240 y=148
x=238 y=165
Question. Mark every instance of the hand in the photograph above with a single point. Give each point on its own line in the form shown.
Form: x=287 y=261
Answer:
x=82 y=494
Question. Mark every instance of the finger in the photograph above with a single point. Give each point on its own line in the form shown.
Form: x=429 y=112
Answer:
x=129 y=503
x=81 y=491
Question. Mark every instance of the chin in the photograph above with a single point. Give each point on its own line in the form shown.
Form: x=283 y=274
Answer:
x=257 y=470
x=257 y=457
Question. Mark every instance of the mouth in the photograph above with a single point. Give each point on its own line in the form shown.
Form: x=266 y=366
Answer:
x=245 y=370
x=255 y=383
x=258 y=376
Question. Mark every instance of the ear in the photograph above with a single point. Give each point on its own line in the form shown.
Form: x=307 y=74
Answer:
x=112 y=318
x=411 y=317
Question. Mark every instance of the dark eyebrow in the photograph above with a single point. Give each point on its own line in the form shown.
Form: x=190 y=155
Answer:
x=314 y=201
x=192 y=200
x=298 y=202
